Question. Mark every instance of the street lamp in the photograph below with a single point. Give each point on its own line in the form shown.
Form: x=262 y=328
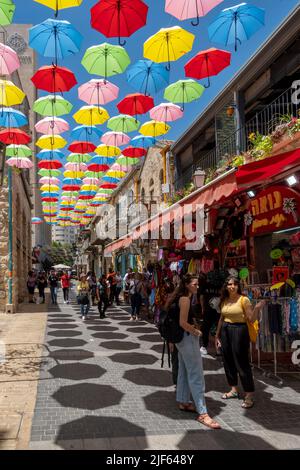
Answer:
x=198 y=178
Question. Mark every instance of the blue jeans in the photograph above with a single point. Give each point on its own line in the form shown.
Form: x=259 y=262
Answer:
x=190 y=379
x=84 y=309
x=53 y=291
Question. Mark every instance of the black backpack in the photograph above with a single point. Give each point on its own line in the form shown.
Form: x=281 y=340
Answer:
x=169 y=328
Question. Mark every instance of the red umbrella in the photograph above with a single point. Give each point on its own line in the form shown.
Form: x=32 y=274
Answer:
x=54 y=79
x=134 y=152
x=50 y=199
x=116 y=18
x=50 y=164
x=71 y=187
x=108 y=185
x=98 y=167
x=136 y=103
x=14 y=136
x=81 y=147
x=207 y=63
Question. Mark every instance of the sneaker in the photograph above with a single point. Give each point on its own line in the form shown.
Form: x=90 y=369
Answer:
x=83 y=318
x=203 y=351
x=65 y=302
x=132 y=318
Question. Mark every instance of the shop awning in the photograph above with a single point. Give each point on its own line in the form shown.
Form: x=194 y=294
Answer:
x=263 y=170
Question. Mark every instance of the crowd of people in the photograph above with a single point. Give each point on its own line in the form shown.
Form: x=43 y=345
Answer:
x=41 y=280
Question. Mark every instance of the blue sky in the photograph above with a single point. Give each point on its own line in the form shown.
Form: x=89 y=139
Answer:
x=28 y=11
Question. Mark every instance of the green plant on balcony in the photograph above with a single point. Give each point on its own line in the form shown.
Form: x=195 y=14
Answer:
x=238 y=160
x=181 y=193
x=289 y=126
x=211 y=174
x=262 y=146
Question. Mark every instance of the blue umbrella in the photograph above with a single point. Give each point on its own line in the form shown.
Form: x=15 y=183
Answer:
x=148 y=77
x=86 y=133
x=101 y=161
x=142 y=141
x=72 y=181
x=50 y=154
x=236 y=24
x=47 y=194
x=109 y=179
x=10 y=117
x=54 y=38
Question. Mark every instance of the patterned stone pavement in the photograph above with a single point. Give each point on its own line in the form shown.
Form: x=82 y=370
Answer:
x=101 y=387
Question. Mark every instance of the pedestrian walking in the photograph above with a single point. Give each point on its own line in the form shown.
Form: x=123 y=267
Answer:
x=53 y=283
x=83 y=298
x=103 y=295
x=41 y=285
x=135 y=292
x=232 y=337
x=111 y=277
x=119 y=286
x=65 y=281
x=31 y=283
x=126 y=281
x=190 y=380
x=92 y=280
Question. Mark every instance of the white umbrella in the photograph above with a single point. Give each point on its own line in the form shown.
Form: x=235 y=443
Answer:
x=61 y=266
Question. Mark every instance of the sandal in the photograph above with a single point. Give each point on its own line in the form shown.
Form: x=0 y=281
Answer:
x=248 y=402
x=229 y=395
x=208 y=421
x=190 y=407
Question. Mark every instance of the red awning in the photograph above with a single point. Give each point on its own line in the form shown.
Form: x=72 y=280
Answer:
x=262 y=170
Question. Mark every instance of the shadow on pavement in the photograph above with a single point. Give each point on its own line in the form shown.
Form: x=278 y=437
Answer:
x=134 y=358
x=67 y=343
x=151 y=338
x=102 y=328
x=75 y=371
x=65 y=334
x=141 y=329
x=133 y=323
x=120 y=345
x=88 y=396
x=71 y=354
x=151 y=377
x=59 y=315
x=108 y=335
x=158 y=348
x=62 y=326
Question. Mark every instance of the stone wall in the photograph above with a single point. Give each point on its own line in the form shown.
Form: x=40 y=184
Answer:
x=3 y=247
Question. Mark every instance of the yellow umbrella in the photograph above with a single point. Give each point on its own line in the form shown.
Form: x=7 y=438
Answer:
x=49 y=188
x=59 y=4
x=10 y=94
x=89 y=187
x=52 y=142
x=73 y=174
x=89 y=115
x=108 y=151
x=168 y=44
x=116 y=173
x=154 y=128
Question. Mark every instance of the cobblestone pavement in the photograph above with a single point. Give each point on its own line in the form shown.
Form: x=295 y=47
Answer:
x=102 y=387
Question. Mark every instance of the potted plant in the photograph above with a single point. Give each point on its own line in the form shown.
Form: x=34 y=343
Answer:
x=286 y=135
x=262 y=145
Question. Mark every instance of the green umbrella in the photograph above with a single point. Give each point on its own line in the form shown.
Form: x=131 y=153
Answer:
x=105 y=191
x=45 y=203
x=44 y=172
x=7 y=9
x=18 y=151
x=70 y=193
x=79 y=157
x=183 y=91
x=105 y=60
x=51 y=105
x=93 y=174
x=123 y=123
x=126 y=161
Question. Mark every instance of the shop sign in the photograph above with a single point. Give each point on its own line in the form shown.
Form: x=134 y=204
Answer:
x=273 y=209
x=280 y=274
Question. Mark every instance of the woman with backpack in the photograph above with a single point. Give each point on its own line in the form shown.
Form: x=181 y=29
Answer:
x=83 y=289
x=190 y=380
x=102 y=295
x=135 y=292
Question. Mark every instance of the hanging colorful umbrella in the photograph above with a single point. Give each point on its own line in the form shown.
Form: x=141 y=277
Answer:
x=79 y=157
x=91 y=181
x=50 y=188
x=127 y=161
x=10 y=117
x=81 y=147
x=143 y=141
x=123 y=123
x=134 y=152
x=154 y=128
x=98 y=164
x=236 y=24
x=14 y=136
x=183 y=91
x=49 y=172
x=47 y=154
x=70 y=194
x=166 y=112
x=115 y=139
x=93 y=174
x=50 y=197
x=20 y=162
x=107 y=151
x=50 y=164
x=73 y=174
x=9 y=60
x=147 y=77
x=86 y=195
x=110 y=180
x=54 y=79
x=7 y=10
x=51 y=105
x=117 y=167
x=105 y=60
x=102 y=190
x=52 y=125
x=116 y=18
x=49 y=180
x=207 y=63
x=52 y=142
x=186 y=9
x=116 y=173
x=168 y=44
x=36 y=221
x=54 y=38
x=57 y=5
x=86 y=133
x=98 y=91
x=18 y=151
x=71 y=184
x=135 y=104
x=10 y=94
x=89 y=115
x=75 y=166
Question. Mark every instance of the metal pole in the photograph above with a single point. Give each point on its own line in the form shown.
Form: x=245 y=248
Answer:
x=10 y=237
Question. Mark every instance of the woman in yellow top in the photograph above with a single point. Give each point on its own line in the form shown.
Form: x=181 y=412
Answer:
x=83 y=289
x=233 y=338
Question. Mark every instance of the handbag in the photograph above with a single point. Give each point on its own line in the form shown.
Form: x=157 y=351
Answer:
x=253 y=327
x=83 y=299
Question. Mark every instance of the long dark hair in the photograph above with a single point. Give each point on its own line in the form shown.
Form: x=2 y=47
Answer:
x=224 y=291
x=183 y=286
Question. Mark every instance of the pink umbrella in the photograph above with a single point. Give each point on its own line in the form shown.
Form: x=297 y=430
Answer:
x=166 y=112
x=75 y=166
x=52 y=125
x=98 y=91
x=49 y=180
x=115 y=139
x=185 y=9
x=92 y=181
x=117 y=167
x=9 y=60
x=23 y=162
